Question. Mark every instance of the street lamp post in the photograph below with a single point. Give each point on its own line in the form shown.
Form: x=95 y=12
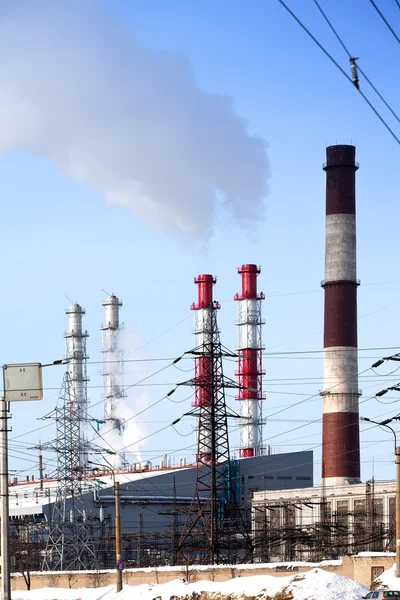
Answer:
x=385 y=423
x=118 y=537
x=118 y=545
x=21 y=382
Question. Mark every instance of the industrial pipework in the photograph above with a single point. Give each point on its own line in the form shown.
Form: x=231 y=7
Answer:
x=250 y=371
x=340 y=422
x=76 y=373
x=203 y=365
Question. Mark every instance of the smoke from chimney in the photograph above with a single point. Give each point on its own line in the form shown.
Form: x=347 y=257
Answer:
x=78 y=89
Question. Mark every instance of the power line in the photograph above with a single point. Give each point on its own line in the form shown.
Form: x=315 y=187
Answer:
x=340 y=68
x=350 y=57
x=317 y=394
x=385 y=20
x=322 y=351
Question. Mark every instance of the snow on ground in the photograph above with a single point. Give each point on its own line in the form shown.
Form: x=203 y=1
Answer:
x=388 y=580
x=316 y=584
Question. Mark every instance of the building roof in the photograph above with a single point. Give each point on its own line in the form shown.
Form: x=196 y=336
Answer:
x=28 y=497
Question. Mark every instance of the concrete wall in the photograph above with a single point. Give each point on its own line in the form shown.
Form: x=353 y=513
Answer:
x=355 y=567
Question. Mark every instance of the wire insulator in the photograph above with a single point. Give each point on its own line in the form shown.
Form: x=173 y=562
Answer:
x=354 y=72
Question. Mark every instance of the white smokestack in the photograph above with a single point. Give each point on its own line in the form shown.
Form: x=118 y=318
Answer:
x=77 y=88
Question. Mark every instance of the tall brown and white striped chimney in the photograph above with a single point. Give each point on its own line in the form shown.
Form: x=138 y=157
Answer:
x=340 y=423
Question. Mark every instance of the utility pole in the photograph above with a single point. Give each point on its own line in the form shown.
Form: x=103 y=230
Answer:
x=397 y=511
x=40 y=466
x=41 y=470
x=385 y=423
x=5 y=544
x=139 y=544
x=20 y=382
x=118 y=545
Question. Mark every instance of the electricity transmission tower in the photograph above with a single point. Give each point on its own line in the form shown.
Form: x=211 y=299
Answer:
x=70 y=544
x=214 y=530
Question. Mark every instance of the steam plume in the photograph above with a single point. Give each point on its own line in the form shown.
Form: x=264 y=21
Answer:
x=77 y=88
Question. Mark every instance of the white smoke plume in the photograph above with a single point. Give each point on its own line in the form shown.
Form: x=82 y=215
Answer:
x=126 y=407
x=78 y=89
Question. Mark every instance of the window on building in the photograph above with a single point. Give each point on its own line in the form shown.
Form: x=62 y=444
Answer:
x=303 y=478
x=275 y=518
x=360 y=524
x=289 y=516
x=342 y=514
x=376 y=572
x=284 y=477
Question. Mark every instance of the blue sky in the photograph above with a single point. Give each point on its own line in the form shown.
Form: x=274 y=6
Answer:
x=61 y=237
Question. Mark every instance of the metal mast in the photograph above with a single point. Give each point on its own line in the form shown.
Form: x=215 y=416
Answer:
x=113 y=365
x=214 y=528
x=250 y=371
x=70 y=541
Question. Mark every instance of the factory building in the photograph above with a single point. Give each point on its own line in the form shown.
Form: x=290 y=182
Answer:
x=324 y=522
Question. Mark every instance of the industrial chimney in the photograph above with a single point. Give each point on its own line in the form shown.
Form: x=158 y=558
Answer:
x=113 y=366
x=250 y=371
x=204 y=364
x=340 y=423
x=77 y=373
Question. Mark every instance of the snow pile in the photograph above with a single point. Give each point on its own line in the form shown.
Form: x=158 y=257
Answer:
x=316 y=584
x=388 y=580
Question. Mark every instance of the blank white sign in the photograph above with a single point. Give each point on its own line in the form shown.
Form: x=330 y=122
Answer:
x=23 y=382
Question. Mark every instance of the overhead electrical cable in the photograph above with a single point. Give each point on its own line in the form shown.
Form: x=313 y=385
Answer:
x=385 y=20
x=350 y=57
x=340 y=69
x=317 y=394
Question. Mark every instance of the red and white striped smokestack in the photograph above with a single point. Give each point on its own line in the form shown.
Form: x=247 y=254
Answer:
x=340 y=424
x=250 y=370
x=202 y=364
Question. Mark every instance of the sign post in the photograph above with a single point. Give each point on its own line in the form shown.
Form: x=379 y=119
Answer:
x=21 y=382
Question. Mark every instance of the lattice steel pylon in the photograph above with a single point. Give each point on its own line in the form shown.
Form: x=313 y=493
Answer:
x=70 y=543
x=214 y=530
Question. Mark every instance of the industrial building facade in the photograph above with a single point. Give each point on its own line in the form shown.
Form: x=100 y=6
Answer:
x=324 y=522
x=154 y=504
